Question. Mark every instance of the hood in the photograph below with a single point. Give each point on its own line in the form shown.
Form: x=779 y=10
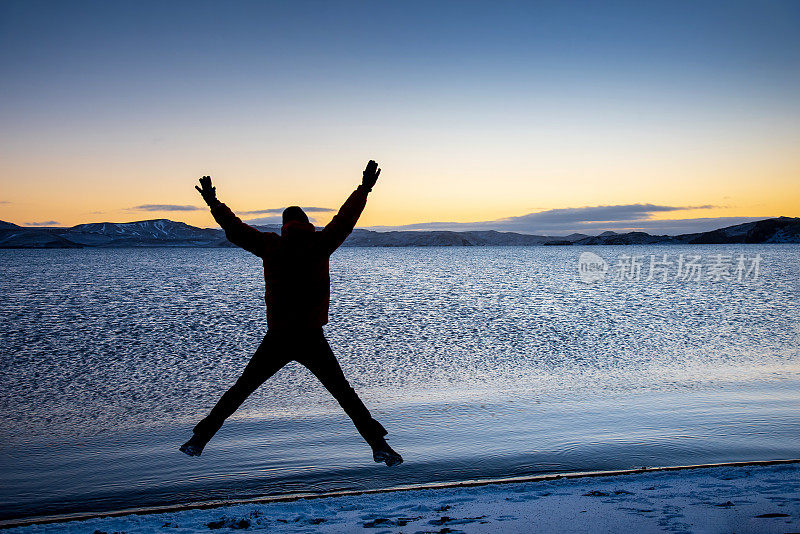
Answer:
x=296 y=228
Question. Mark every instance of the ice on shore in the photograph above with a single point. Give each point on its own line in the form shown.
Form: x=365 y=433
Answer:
x=753 y=499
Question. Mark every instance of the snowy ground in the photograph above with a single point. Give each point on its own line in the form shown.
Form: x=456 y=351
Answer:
x=721 y=499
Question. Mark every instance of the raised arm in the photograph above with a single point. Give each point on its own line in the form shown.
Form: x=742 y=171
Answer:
x=237 y=232
x=345 y=220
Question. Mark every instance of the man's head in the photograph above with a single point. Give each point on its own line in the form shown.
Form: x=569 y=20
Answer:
x=294 y=213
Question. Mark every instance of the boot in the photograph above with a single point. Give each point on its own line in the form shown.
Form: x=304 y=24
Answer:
x=382 y=452
x=193 y=447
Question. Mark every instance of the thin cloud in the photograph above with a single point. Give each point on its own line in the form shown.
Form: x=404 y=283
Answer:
x=164 y=207
x=309 y=209
x=5 y=202
x=276 y=220
x=623 y=212
x=42 y=223
x=621 y=217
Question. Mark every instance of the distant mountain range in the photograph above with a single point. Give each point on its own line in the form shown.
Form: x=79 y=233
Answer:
x=163 y=232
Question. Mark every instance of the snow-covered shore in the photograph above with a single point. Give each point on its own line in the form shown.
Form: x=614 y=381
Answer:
x=753 y=498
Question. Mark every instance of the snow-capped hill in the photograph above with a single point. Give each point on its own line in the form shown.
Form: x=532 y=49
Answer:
x=629 y=238
x=19 y=237
x=776 y=230
x=440 y=238
x=154 y=228
x=153 y=232
x=573 y=237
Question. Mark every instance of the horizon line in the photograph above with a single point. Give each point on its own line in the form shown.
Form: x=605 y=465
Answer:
x=404 y=228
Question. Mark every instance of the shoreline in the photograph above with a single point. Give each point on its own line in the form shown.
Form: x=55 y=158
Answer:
x=394 y=490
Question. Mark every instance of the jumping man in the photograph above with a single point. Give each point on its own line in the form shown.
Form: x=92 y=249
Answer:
x=297 y=297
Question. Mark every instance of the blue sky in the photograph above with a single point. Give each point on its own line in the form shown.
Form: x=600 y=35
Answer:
x=477 y=111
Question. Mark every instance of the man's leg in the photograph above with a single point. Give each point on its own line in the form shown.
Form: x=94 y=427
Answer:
x=268 y=360
x=320 y=360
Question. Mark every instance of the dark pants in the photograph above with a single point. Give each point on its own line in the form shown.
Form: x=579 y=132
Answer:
x=279 y=347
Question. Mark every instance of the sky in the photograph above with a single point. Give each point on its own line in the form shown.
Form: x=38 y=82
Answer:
x=537 y=117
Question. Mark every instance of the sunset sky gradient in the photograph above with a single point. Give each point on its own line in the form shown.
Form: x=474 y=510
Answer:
x=476 y=112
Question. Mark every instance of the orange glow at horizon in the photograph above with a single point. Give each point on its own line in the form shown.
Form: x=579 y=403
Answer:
x=414 y=187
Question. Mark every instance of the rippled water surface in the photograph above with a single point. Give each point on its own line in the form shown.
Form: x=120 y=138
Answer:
x=481 y=362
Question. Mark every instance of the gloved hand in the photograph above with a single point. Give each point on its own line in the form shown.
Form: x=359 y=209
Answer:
x=371 y=174
x=208 y=191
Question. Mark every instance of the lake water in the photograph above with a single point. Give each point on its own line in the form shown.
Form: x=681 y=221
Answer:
x=481 y=362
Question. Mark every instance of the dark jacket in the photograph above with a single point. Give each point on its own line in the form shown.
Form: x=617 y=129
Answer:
x=295 y=262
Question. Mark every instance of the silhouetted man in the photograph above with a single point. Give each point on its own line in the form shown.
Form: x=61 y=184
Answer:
x=297 y=297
